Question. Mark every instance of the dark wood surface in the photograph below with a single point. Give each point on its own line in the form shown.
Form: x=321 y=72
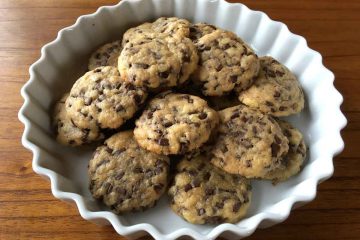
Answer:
x=29 y=211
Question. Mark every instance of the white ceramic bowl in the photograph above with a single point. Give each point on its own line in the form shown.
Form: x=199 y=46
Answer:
x=64 y=60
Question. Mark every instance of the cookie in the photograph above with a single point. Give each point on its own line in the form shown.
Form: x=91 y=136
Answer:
x=158 y=63
x=172 y=26
x=199 y=30
x=276 y=91
x=292 y=162
x=225 y=61
x=101 y=99
x=220 y=103
x=125 y=176
x=249 y=143
x=201 y=193
x=175 y=124
x=106 y=55
x=67 y=133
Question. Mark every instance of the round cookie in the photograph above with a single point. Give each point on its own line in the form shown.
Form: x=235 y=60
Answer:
x=67 y=133
x=199 y=30
x=202 y=193
x=106 y=55
x=249 y=143
x=225 y=62
x=175 y=124
x=292 y=162
x=276 y=91
x=159 y=62
x=102 y=99
x=125 y=176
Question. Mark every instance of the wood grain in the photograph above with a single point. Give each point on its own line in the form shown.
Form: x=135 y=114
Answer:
x=29 y=211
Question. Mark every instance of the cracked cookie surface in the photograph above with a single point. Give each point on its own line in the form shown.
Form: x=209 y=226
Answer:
x=201 y=193
x=292 y=162
x=125 y=176
x=225 y=62
x=106 y=55
x=249 y=143
x=101 y=99
x=175 y=123
x=276 y=91
x=67 y=133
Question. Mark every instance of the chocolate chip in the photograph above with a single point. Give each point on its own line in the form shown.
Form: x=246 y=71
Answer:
x=141 y=65
x=207 y=176
x=71 y=142
x=119 y=175
x=121 y=191
x=277 y=139
x=195 y=183
x=164 y=74
x=149 y=115
x=187 y=187
x=201 y=211
x=276 y=94
x=202 y=48
x=287 y=133
x=275 y=149
x=193 y=173
x=119 y=108
x=254 y=129
x=186 y=58
x=219 y=67
x=87 y=101
x=108 y=187
x=235 y=115
x=137 y=98
x=138 y=170
x=279 y=73
x=163 y=142
x=244 y=119
x=219 y=205
x=248 y=163
x=158 y=187
x=209 y=191
x=270 y=104
x=102 y=162
x=119 y=151
x=167 y=124
x=97 y=70
x=236 y=207
x=270 y=73
x=282 y=108
x=233 y=78
x=202 y=115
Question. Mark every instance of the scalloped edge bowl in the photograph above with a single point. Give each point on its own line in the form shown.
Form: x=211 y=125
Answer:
x=64 y=59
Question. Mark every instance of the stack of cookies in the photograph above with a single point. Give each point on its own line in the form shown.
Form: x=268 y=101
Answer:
x=174 y=90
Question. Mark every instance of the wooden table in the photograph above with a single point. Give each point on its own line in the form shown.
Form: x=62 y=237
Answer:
x=29 y=211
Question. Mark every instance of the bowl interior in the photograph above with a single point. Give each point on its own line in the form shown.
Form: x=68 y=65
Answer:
x=66 y=60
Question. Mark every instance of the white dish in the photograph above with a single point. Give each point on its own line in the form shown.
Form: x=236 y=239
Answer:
x=64 y=60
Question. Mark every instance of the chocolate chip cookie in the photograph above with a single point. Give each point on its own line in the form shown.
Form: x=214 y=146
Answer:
x=67 y=132
x=175 y=124
x=292 y=162
x=158 y=63
x=125 y=176
x=102 y=99
x=202 y=193
x=199 y=30
x=106 y=55
x=225 y=61
x=249 y=143
x=276 y=91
